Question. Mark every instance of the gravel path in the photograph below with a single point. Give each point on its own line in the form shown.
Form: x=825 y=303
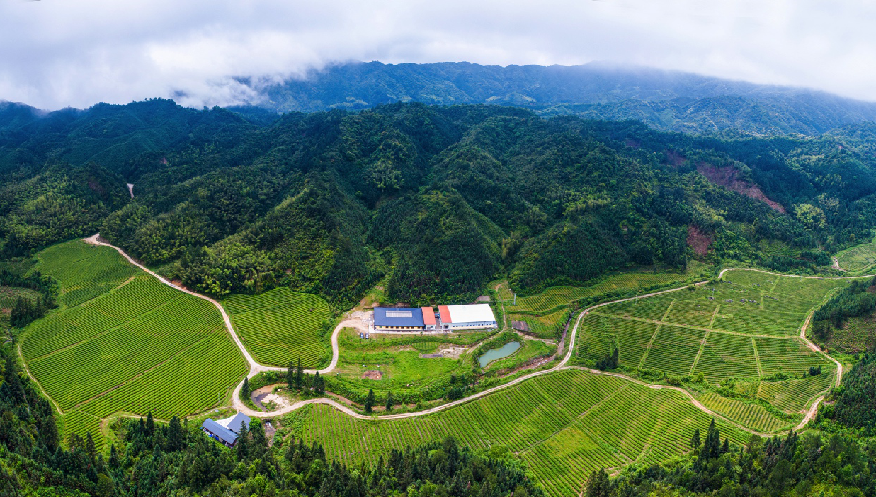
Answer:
x=255 y=367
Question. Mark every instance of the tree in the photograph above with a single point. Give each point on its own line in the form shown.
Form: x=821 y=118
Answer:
x=244 y=390
x=695 y=440
x=598 y=484
x=175 y=436
x=242 y=446
x=150 y=425
x=318 y=384
x=389 y=401
x=299 y=376
x=369 y=401
x=290 y=376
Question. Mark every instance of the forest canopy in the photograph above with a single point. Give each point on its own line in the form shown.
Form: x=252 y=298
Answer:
x=435 y=200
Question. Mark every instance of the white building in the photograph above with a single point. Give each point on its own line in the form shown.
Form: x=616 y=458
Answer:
x=454 y=317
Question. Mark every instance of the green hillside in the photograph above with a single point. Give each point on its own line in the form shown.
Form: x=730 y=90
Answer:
x=130 y=345
x=437 y=200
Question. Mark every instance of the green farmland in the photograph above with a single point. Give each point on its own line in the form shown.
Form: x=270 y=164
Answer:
x=739 y=334
x=137 y=346
x=281 y=326
x=858 y=259
x=546 y=312
x=563 y=425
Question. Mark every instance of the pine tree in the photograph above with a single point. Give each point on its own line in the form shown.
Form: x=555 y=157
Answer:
x=695 y=440
x=318 y=384
x=150 y=425
x=389 y=401
x=244 y=390
x=290 y=376
x=174 y=435
x=242 y=446
x=369 y=401
x=299 y=376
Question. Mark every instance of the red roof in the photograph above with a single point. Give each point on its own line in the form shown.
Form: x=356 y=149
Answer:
x=445 y=314
x=429 y=316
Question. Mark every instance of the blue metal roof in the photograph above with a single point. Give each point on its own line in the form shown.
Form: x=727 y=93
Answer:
x=220 y=431
x=397 y=317
x=234 y=423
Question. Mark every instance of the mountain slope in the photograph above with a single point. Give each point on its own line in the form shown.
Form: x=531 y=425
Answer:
x=667 y=100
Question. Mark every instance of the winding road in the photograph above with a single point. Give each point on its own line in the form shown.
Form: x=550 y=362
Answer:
x=255 y=368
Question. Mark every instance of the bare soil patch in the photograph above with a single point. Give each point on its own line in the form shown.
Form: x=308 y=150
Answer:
x=697 y=240
x=674 y=158
x=372 y=374
x=727 y=177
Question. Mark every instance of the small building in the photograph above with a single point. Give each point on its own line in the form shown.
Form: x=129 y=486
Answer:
x=429 y=320
x=226 y=430
x=454 y=317
x=398 y=319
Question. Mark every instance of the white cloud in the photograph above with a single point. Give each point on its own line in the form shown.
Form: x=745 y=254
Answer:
x=61 y=53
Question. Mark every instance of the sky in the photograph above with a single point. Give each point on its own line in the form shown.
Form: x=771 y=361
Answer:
x=75 y=53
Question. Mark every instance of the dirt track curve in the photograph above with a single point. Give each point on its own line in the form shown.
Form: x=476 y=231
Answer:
x=256 y=368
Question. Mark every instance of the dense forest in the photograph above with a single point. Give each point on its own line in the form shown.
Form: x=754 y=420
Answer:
x=436 y=200
x=856 y=300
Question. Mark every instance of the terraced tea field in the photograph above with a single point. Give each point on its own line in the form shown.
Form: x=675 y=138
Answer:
x=138 y=346
x=545 y=312
x=858 y=259
x=564 y=426
x=281 y=326
x=745 y=327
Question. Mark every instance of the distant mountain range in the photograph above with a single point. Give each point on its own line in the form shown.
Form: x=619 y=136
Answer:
x=665 y=100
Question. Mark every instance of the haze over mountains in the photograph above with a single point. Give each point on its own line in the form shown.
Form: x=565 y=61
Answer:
x=666 y=100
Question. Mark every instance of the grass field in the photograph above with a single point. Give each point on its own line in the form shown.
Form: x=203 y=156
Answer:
x=281 y=326
x=398 y=358
x=136 y=347
x=858 y=259
x=563 y=425
x=744 y=328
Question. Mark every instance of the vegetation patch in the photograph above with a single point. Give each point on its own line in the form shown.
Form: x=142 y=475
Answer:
x=563 y=425
x=739 y=331
x=138 y=347
x=281 y=326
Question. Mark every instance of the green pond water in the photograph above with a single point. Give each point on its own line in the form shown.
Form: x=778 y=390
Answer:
x=503 y=351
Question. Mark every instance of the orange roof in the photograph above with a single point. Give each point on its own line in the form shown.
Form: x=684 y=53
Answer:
x=445 y=314
x=429 y=316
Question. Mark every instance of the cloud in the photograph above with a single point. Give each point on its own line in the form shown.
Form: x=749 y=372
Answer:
x=58 y=54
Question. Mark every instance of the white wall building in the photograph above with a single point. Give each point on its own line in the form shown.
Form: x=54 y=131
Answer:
x=454 y=317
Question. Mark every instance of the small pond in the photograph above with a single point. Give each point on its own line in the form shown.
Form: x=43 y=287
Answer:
x=503 y=351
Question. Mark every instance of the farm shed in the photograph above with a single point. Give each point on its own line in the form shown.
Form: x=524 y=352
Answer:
x=226 y=430
x=429 y=320
x=398 y=318
x=466 y=316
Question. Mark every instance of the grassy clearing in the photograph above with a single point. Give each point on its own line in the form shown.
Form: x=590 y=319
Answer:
x=280 y=326
x=139 y=346
x=564 y=425
x=9 y=294
x=410 y=377
x=740 y=331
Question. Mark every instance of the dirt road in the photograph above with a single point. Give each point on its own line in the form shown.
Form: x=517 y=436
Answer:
x=255 y=367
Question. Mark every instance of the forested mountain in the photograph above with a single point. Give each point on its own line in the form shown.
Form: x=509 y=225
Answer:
x=666 y=100
x=438 y=200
